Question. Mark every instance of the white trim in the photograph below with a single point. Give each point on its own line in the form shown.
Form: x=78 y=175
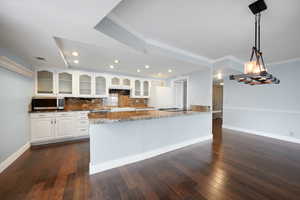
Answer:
x=148 y=45
x=261 y=110
x=178 y=53
x=229 y=58
x=262 y=133
x=284 y=61
x=9 y=64
x=57 y=42
x=8 y=161
x=143 y=156
x=187 y=78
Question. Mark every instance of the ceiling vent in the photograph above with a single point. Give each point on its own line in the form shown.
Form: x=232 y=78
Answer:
x=40 y=58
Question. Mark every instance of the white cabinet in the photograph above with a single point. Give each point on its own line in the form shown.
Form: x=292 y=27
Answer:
x=85 y=84
x=126 y=82
x=141 y=89
x=70 y=83
x=42 y=129
x=64 y=127
x=115 y=81
x=52 y=83
x=137 y=88
x=120 y=82
x=101 y=85
x=146 y=89
x=45 y=127
x=83 y=123
x=66 y=83
x=45 y=82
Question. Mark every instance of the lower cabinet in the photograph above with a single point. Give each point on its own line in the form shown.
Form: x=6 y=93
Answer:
x=83 y=123
x=42 y=129
x=64 y=127
x=52 y=126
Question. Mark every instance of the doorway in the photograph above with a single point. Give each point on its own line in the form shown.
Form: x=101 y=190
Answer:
x=217 y=107
x=181 y=94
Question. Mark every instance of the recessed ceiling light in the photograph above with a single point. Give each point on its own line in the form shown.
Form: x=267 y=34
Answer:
x=75 y=53
x=147 y=66
x=170 y=70
x=138 y=70
x=116 y=61
x=76 y=61
x=111 y=66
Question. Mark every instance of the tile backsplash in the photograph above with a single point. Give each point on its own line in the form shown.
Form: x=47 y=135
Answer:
x=83 y=103
x=125 y=101
x=99 y=103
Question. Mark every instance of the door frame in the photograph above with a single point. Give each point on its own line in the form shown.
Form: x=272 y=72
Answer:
x=187 y=88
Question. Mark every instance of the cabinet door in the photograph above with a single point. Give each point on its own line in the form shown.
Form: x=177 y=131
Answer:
x=45 y=82
x=65 y=83
x=146 y=88
x=101 y=89
x=42 y=129
x=85 y=85
x=126 y=82
x=64 y=127
x=115 y=81
x=137 y=88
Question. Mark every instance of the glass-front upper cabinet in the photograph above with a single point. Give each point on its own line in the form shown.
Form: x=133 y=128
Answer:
x=45 y=82
x=115 y=81
x=126 y=82
x=137 y=88
x=85 y=84
x=65 y=83
x=146 y=88
x=101 y=89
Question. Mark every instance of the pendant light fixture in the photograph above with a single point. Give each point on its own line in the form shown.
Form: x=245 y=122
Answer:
x=255 y=71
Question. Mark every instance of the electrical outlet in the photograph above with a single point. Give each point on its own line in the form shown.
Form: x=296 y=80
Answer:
x=292 y=134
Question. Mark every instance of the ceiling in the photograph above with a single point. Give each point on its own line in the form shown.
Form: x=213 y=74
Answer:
x=28 y=27
x=100 y=58
x=214 y=28
x=205 y=29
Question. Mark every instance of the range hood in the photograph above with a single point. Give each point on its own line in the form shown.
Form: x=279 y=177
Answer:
x=119 y=91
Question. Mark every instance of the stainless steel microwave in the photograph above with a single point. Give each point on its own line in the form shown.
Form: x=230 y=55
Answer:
x=54 y=103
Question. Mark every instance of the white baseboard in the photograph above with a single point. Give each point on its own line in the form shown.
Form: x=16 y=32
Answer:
x=143 y=156
x=262 y=133
x=6 y=163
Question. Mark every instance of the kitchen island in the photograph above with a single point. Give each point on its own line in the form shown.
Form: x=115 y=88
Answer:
x=119 y=138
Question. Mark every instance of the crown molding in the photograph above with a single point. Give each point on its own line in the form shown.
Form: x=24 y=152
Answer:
x=11 y=65
x=229 y=58
x=285 y=61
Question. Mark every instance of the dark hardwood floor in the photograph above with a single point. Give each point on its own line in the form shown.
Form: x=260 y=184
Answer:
x=234 y=166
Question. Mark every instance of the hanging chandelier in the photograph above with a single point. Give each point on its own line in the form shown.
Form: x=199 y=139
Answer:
x=255 y=71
